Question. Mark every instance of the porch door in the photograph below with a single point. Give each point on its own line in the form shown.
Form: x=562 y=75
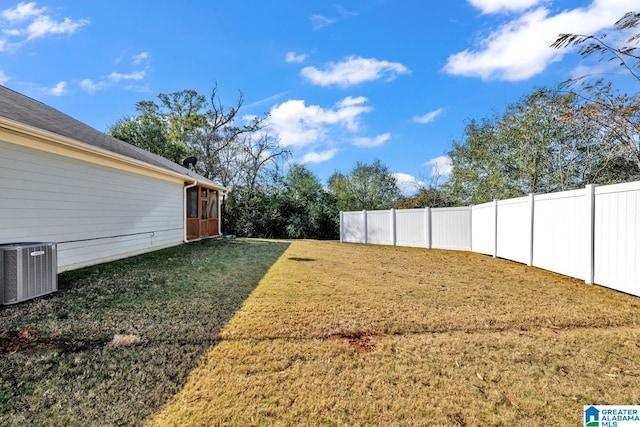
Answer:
x=204 y=212
x=193 y=217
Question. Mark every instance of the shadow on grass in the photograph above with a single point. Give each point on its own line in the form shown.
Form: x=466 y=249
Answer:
x=169 y=305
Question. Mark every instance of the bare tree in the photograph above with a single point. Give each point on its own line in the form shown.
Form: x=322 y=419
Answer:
x=627 y=54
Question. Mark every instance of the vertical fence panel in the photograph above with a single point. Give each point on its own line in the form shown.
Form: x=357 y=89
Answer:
x=378 y=227
x=483 y=229
x=411 y=228
x=560 y=233
x=451 y=228
x=617 y=237
x=352 y=227
x=514 y=229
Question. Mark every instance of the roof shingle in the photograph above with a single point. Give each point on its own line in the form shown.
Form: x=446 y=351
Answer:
x=28 y=111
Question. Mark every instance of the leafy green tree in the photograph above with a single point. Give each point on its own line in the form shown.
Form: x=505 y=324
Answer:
x=293 y=207
x=431 y=197
x=367 y=186
x=184 y=113
x=149 y=131
x=313 y=211
x=482 y=164
x=541 y=144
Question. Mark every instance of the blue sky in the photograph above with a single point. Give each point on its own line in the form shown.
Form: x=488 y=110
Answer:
x=344 y=81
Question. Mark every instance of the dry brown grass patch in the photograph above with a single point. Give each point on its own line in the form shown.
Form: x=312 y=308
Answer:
x=417 y=338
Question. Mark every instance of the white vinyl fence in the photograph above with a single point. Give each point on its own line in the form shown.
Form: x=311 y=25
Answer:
x=592 y=234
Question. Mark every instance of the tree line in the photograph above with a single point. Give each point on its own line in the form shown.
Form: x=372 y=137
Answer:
x=268 y=197
x=553 y=139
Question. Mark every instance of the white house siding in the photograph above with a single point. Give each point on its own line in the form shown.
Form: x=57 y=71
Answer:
x=95 y=213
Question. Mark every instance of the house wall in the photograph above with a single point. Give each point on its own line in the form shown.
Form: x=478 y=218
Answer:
x=94 y=212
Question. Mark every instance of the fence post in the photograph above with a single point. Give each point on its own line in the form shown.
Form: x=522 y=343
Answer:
x=392 y=218
x=591 y=224
x=470 y=228
x=364 y=222
x=341 y=227
x=427 y=227
x=495 y=228
x=531 y=213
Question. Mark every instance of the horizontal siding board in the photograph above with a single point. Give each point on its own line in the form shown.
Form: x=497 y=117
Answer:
x=96 y=251
x=47 y=197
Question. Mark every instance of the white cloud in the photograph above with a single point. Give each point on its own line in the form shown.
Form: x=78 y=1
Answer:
x=314 y=157
x=137 y=75
x=408 y=184
x=3 y=78
x=90 y=86
x=371 y=142
x=298 y=124
x=26 y=22
x=440 y=166
x=320 y=21
x=429 y=117
x=520 y=48
x=352 y=71
x=317 y=131
x=267 y=100
x=139 y=58
x=344 y=12
x=58 y=90
x=295 y=58
x=44 y=25
x=496 y=6
x=22 y=12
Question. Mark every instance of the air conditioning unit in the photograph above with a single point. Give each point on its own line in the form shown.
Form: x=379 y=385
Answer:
x=27 y=270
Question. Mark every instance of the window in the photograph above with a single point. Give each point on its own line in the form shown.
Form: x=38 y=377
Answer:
x=213 y=204
x=192 y=202
x=204 y=209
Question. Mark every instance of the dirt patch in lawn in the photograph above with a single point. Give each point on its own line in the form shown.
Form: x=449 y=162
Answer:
x=14 y=341
x=361 y=342
x=422 y=337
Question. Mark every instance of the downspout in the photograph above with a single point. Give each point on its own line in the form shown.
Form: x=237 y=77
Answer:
x=184 y=210
x=221 y=211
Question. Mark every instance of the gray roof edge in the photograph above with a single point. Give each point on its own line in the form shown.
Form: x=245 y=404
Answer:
x=21 y=109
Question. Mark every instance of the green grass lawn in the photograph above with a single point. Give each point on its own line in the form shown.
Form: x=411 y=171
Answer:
x=252 y=333
x=118 y=340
